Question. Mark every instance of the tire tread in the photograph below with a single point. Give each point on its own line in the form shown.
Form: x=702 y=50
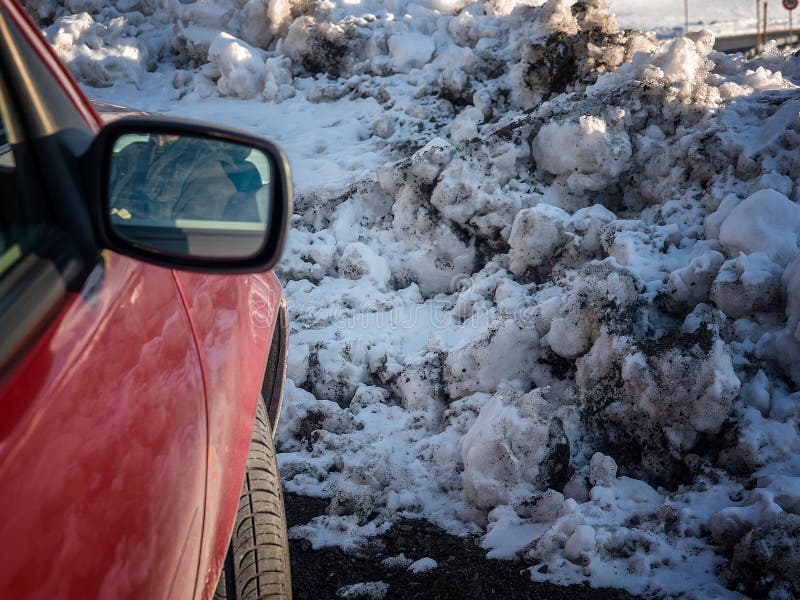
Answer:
x=259 y=548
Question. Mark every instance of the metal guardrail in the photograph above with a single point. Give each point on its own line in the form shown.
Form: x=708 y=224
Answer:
x=746 y=42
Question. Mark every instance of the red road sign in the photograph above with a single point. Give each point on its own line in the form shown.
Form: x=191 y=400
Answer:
x=790 y=4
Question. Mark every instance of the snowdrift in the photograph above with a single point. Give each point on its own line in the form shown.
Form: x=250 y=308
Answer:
x=556 y=300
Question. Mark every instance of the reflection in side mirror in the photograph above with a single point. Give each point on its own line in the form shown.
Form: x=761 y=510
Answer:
x=190 y=196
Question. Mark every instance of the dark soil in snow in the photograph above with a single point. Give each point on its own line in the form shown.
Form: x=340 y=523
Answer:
x=464 y=572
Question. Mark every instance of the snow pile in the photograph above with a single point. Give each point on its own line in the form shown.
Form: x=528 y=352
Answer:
x=100 y=54
x=544 y=274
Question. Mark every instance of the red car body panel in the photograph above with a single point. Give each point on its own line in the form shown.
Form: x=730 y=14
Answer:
x=102 y=454
x=234 y=317
x=125 y=426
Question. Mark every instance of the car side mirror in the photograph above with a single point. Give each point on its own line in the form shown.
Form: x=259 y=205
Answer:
x=189 y=195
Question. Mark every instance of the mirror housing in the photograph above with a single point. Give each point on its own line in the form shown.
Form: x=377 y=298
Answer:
x=193 y=244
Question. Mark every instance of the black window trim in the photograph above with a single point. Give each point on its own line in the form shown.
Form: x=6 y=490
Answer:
x=35 y=287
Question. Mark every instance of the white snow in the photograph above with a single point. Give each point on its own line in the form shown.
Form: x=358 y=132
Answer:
x=410 y=50
x=241 y=67
x=765 y=222
x=589 y=153
x=543 y=274
x=423 y=565
x=580 y=545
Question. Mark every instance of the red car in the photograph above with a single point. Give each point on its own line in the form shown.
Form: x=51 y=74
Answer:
x=142 y=346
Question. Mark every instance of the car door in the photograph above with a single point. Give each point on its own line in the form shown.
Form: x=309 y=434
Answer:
x=103 y=431
x=234 y=317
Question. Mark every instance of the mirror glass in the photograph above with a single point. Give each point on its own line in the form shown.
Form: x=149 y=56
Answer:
x=190 y=196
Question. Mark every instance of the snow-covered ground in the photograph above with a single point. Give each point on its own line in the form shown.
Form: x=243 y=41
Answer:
x=543 y=274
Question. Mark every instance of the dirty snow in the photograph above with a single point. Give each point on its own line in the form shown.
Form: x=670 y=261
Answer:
x=543 y=274
x=370 y=590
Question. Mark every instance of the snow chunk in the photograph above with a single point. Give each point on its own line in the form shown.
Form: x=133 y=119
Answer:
x=756 y=393
x=558 y=17
x=97 y=54
x=320 y=46
x=765 y=222
x=590 y=153
x=515 y=447
x=411 y=50
x=260 y=21
x=278 y=79
x=690 y=285
x=786 y=490
x=601 y=295
x=465 y=126
x=730 y=524
x=465 y=194
x=427 y=162
x=536 y=236
x=542 y=508
x=713 y=222
x=662 y=397
x=369 y=590
x=241 y=66
x=747 y=284
x=580 y=545
x=423 y=565
x=307 y=255
x=687 y=393
x=603 y=470
x=577 y=488
x=399 y=561
x=302 y=414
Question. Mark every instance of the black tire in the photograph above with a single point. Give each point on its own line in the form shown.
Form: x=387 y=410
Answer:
x=257 y=564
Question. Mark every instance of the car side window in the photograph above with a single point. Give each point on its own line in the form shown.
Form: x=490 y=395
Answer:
x=20 y=226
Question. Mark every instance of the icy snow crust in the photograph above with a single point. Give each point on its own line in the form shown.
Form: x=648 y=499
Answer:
x=543 y=274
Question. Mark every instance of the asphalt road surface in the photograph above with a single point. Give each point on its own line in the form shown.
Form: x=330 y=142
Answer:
x=464 y=573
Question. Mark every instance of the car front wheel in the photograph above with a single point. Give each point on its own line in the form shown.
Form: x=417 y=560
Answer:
x=257 y=563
